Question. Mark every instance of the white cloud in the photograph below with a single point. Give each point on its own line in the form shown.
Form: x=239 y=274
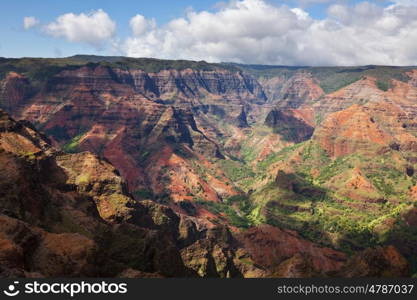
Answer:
x=139 y=25
x=301 y=14
x=94 y=28
x=255 y=31
x=308 y=2
x=357 y=15
x=29 y=22
x=241 y=31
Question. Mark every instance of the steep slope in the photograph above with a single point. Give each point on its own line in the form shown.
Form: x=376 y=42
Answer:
x=292 y=93
x=128 y=116
x=327 y=156
x=74 y=210
x=351 y=184
x=67 y=214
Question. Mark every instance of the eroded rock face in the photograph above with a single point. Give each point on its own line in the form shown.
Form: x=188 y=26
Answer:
x=274 y=249
x=292 y=93
x=27 y=250
x=360 y=92
x=377 y=125
x=206 y=251
x=167 y=132
x=298 y=266
x=351 y=130
x=71 y=215
x=289 y=126
x=219 y=254
x=99 y=180
x=128 y=116
x=378 y=262
x=191 y=83
x=15 y=90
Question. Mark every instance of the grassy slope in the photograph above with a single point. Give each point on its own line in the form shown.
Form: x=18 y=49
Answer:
x=331 y=217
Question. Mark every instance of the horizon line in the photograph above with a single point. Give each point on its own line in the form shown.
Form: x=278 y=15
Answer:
x=213 y=63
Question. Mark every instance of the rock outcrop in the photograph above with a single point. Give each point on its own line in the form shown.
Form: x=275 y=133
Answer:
x=67 y=214
x=276 y=249
x=289 y=126
x=172 y=168
x=378 y=262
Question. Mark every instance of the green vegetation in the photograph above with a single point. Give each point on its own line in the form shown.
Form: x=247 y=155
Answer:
x=152 y=65
x=143 y=194
x=72 y=146
x=269 y=71
x=318 y=206
x=242 y=202
x=28 y=155
x=236 y=170
x=180 y=151
x=279 y=156
x=248 y=153
x=37 y=69
x=329 y=78
x=316 y=218
x=236 y=210
x=334 y=78
x=335 y=167
x=383 y=85
x=83 y=179
x=41 y=69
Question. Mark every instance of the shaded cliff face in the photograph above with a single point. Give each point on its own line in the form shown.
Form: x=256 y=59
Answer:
x=289 y=126
x=177 y=85
x=325 y=156
x=14 y=91
x=65 y=214
x=282 y=245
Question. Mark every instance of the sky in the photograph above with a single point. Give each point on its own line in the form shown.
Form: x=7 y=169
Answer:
x=274 y=32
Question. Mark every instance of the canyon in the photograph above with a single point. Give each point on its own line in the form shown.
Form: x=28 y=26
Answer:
x=116 y=166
